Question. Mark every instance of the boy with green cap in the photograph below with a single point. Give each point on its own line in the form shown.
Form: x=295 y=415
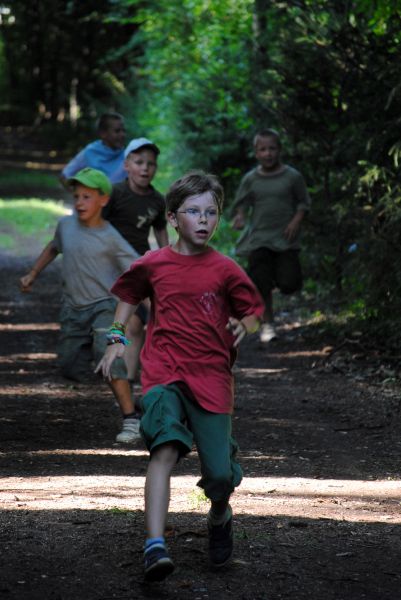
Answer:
x=94 y=254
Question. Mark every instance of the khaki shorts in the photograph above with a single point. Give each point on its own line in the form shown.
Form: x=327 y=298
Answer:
x=169 y=416
x=83 y=340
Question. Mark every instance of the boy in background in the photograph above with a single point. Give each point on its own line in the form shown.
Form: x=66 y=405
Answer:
x=134 y=207
x=105 y=154
x=94 y=254
x=273 y=199
x=203 y=304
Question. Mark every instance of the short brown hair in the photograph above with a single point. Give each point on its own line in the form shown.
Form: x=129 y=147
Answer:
x=192 y=184
x=104 y=120
x=263 y=133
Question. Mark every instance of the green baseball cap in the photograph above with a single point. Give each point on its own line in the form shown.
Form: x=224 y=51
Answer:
x=92 y=178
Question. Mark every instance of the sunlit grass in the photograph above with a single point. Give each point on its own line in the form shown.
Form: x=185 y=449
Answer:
x=26 y=219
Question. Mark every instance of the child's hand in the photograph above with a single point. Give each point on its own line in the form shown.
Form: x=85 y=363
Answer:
x=112 y=352
x=238 y=222
x=238 y=329
x=26 y=282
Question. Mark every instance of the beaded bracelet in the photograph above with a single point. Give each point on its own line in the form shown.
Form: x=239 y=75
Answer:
x=118 y=327
x=113 y=338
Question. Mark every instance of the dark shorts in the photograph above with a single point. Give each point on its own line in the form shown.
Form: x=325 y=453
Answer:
x=83 y=340
x=269 y=270
x=169 y=416
x=142 y=313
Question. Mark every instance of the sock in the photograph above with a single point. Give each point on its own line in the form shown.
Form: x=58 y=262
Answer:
x=220 y=519
x=133 y=415
x=154 y=543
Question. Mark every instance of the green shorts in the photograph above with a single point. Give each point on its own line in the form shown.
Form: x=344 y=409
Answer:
x=83 y=340
x=169 y=416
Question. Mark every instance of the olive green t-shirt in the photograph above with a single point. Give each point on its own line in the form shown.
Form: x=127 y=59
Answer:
x=270 y=201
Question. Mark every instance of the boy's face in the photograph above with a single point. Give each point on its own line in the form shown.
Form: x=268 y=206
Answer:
x=141 y=168
x=114 y=135
x=268 y=153
x=195 y=221
x=88 y=204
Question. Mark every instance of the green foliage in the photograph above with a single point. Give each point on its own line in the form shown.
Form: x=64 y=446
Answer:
x=196 y=80
x=225 y=238
x=199 y=77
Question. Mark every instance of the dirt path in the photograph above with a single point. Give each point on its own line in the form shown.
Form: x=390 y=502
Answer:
x=317 y=516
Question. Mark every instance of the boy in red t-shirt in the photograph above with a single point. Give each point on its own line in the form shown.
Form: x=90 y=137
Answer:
x=203 y=304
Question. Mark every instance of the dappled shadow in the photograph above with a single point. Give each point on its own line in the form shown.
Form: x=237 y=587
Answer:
x=98 y=555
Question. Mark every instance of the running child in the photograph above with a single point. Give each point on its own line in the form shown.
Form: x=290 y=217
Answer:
x=202 y=306
x=94 y=254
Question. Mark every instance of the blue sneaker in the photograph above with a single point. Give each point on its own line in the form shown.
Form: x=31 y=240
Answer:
x=221 y=543
x=158 y=564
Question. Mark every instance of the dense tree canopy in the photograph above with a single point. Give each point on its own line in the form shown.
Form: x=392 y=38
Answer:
x=200 y=76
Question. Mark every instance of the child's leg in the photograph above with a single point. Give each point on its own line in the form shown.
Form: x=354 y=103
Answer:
x=288 y=272
x=166 y=436
x=75 y=343
x=158 y=564
x=157 y=488
x=221 y=473
x=261 y=269
x=122 y=393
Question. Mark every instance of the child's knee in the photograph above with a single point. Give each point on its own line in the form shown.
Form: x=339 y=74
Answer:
x=220 y=484
x=218 y=488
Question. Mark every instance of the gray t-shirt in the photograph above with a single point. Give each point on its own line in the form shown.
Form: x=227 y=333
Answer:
x=272 y=201
x=93 y=258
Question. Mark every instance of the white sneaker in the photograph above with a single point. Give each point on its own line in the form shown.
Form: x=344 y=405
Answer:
x=267 y=333
x=129 y=431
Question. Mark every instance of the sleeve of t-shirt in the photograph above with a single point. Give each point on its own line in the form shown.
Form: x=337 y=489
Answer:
x=133 y=285
x=76 y=164
x=160 y=221
x=243 y=296
x=302 y=198
x=244 y=196
x=57 y=240
x=124 y=253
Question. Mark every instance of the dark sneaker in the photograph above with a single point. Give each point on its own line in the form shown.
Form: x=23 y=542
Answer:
x=158 y=564
x=220 y=543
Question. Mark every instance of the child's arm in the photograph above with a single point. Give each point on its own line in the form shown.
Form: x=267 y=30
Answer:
x=239 y=219
x=240 y=328
x=293 y=226
x=113 y=351
x=161 y=236
x=47 y=255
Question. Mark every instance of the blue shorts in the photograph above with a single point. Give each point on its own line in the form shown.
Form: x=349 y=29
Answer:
x=169 y=416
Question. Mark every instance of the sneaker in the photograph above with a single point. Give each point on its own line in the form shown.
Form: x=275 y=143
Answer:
x=129 y=431
x=158 y=564
x=267 y=333
x=221 y=543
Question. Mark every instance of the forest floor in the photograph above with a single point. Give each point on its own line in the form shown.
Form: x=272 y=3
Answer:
x=317 y=516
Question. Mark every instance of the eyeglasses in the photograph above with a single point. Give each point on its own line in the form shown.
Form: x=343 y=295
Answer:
x=195 y=213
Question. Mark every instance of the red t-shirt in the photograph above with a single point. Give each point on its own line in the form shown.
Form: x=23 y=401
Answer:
x=192 y=298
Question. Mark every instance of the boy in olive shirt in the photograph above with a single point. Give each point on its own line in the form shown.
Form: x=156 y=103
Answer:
x=273 y=198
